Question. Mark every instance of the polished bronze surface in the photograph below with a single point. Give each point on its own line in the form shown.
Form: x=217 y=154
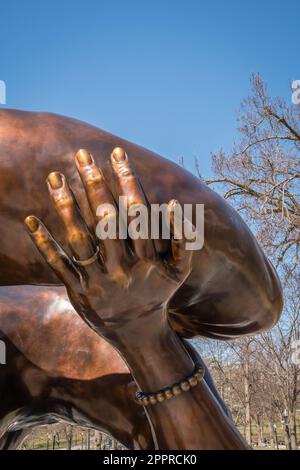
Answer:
x=225 y=290
x=58 y=369
x=130 y=311
x=232 y=289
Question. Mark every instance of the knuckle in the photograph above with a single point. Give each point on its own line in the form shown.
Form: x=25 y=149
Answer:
x=76 y=235
x=42 y=239
x=92 y=175
x=53 y=259
x=135 y=203
x=63 y=200
x=124 y=171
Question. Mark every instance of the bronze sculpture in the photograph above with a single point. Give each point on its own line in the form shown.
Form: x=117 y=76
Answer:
x=231 y=290
x=50 y=378
x=75 y=377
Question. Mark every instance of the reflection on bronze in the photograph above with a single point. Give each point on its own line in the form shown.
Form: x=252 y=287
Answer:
x=59 y=369
x=230 y=289
x=75 y=377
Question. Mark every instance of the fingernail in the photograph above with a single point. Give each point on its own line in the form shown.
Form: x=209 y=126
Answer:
x=55 y=180
x=84 y=157
x=175 y=210
x=173 y=203
x=32 y=223
x=119 y=154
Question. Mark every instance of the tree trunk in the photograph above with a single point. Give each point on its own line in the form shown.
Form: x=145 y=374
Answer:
x=58 y=439
x=292 y=427
x=53 y=439
x=273 y=436
x=248 y=428
x=114 y=445
x=69 y=437
x=260 y=431
x=88 y=439
x=100 y=437
x=287 y=437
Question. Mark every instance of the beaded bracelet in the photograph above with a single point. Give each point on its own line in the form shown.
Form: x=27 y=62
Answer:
x=185 y=385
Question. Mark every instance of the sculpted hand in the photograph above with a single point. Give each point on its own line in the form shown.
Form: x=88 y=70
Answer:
x=123 y=293
x=122 y=289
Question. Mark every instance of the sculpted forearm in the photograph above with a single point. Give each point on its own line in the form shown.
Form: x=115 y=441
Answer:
x=122 y=287
x=191 y=420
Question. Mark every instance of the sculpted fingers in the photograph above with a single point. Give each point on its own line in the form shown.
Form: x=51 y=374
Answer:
x=95 y=186
x=104 y=210
x=132 y=194
x=183 y=233
x=54 y=255
x=79 y=239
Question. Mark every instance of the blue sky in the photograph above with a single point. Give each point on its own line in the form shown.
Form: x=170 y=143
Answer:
x=168 y=75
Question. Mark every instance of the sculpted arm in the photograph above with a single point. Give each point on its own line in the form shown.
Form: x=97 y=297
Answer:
x=124 y=296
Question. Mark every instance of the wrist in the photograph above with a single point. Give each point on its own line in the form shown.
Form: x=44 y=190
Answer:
x=155 y=355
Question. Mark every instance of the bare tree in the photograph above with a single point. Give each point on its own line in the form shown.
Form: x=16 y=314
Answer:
x=261 y=176
x=69 y=436
x=233 y=368
x=277 y=360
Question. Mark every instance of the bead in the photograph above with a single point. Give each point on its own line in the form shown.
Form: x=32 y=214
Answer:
x=176 y=390
x=152 y=400
x=199 y=374
x=160 y=397
x=193 y=381
x=168 y=393
x=185 y=386
x=145 y=400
